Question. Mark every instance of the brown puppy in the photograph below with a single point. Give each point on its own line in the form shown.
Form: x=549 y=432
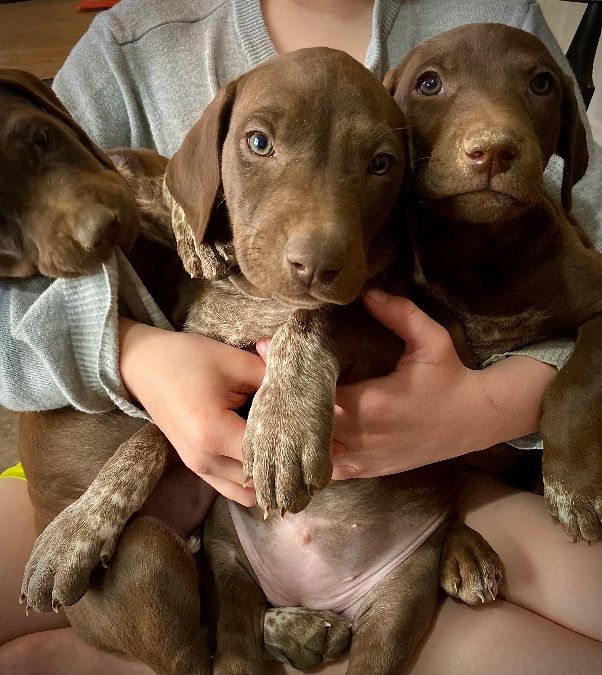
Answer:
x=312 y=161
x=488 y=106
x=63 y=205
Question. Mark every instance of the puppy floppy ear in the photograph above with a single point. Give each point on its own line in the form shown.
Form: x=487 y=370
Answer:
x=572 y=142
x=193 y=185
x=34 y=90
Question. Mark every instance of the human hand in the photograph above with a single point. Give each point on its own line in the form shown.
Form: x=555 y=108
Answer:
x=431 y=407
x=191 y=385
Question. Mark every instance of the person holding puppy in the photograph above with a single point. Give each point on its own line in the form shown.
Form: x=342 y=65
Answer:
x=127 y=84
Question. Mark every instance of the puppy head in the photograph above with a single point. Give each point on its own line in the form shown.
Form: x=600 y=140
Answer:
x=487 y=106
x=63 y=205
x=308 y=153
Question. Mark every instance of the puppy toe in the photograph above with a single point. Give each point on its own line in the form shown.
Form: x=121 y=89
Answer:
x=470 y=569
x=40 y=586
x=71 y=583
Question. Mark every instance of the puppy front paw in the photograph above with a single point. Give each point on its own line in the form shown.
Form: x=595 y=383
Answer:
x=65 y=554
x=578 y=508
x=303 y=637
x=470 y=569
x=286 y=449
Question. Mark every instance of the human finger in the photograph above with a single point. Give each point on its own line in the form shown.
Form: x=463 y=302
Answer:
x=405 y=319
x=232 y=490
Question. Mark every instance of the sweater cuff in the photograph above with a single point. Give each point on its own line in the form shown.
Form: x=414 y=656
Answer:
x=553 y=352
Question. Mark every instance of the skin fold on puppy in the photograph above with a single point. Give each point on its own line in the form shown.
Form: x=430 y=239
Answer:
x=488 y=106
x=281 y=199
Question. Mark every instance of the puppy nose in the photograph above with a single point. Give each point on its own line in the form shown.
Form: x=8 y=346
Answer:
x=489 y=155
x=310 y=267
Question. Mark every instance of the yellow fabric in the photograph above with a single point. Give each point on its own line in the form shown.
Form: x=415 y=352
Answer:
x=15 y=471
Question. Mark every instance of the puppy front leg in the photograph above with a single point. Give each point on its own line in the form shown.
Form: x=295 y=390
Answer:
x=571 y=427
x=86 y=532
x=147 y=605
x=470 y=569
x=397 y=612
x=286 y=448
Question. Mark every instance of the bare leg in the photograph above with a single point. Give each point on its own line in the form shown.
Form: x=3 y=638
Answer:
x=17 y=535
x=545 y=572
x=498 y=639
x=39 y=643
x=62 y=652
x=501 y=639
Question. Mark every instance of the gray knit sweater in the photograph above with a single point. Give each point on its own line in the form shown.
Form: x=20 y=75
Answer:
x=140 y=77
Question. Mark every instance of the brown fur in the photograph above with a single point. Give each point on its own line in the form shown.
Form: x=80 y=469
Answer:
x=316 y=206
x=63 y=204
x=501 y=256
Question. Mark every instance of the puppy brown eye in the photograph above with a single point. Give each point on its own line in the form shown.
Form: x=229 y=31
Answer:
x=260 y=144
x=542 y=84
x=40 y=140
x=429 y=84
x=381 y=163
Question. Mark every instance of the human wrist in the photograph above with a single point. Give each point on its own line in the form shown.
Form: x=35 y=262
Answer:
x=137 y=343
x=509 y=395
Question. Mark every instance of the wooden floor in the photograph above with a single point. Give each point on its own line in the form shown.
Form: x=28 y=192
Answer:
x=37 y=35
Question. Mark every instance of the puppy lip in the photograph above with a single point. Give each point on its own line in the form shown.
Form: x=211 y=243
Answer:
x=300 y=300
x=479 y=192
x=313 y=300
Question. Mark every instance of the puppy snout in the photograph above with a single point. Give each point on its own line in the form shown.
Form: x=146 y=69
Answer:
x=490 y=152
x=99 y=227
x=310 y=264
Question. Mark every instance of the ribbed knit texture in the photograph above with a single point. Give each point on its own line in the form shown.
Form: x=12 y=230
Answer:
x=141 y=76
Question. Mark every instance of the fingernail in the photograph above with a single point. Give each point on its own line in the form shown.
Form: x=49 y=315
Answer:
x=344 y=472
x=376 y=295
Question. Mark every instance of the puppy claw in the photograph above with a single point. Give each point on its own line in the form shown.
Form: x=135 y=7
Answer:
x=105 y=560
x=56 y=605
x=22 y=598
x=282 y=511
x=266 y=512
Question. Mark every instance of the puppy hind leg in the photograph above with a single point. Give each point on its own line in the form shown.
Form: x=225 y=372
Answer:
x=397 y=612
x=304 y=638
x=146 y=605
x=236 y=602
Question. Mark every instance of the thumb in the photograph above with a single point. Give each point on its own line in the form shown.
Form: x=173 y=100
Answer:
x=405 y=319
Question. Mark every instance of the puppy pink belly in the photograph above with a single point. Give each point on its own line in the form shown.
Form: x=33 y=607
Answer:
x=294 y=570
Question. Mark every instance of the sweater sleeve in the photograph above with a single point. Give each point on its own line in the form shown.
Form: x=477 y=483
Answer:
x=58 y=340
